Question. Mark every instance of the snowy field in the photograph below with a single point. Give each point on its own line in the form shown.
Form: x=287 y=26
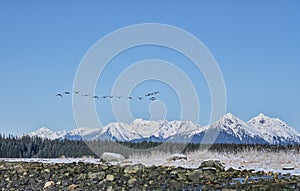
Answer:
x=259 y=161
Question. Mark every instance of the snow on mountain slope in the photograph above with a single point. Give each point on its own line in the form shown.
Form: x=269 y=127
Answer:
x=82 y=133
x=44 y=132
x=139 y=129
x=235 y=126
x=143 y=129
x=229 y=129
x=119 y=131
x=273 y=130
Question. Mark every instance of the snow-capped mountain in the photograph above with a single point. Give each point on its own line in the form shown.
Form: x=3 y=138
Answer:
x=138 y=130
x=273 y=130
x=229 y=129
x=44 y=132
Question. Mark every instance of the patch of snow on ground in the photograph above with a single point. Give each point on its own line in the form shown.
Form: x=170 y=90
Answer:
x=257 y=160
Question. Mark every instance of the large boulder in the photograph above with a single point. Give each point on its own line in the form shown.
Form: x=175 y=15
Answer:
x=209 y=164
x=111 y=157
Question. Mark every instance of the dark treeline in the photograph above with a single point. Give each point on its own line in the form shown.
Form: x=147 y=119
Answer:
x=234 y=148
x=29 y=147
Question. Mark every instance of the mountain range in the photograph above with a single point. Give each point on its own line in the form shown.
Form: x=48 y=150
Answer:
x=229 y=129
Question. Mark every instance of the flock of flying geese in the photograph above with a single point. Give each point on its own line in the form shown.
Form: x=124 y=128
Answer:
x=150 y=96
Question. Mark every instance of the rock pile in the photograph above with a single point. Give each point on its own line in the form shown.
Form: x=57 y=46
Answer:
x=87 y=176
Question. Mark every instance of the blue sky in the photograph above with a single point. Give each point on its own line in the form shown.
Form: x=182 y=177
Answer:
x=255 y=43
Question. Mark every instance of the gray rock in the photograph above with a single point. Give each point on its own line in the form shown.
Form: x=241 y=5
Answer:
x=99 y=175
x=110 y=177
x=81 y=177
x=195 y=176
x=213 y=163
x=132 y=181
x=48 y=184
x=181 y=176
x=177 y=157
x=134 y=169
x=111 y=157
x=298 y=185
x=128 y=161
x=209 y=170
x=175 y=185
x=73 y=186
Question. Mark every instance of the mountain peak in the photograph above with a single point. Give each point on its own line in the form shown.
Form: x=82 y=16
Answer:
x=262 y=115
x=229 y=115
x=137 y=120
x=274 y=130
x=44 y=129
x=44 y=132
x=262 y=119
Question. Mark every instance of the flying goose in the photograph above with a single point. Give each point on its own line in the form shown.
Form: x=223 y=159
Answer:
x=152 y=98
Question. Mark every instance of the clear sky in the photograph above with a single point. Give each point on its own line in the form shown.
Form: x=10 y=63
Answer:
x=255 y=43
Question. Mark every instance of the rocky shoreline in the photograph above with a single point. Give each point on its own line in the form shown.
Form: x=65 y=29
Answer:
x=210 y=175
